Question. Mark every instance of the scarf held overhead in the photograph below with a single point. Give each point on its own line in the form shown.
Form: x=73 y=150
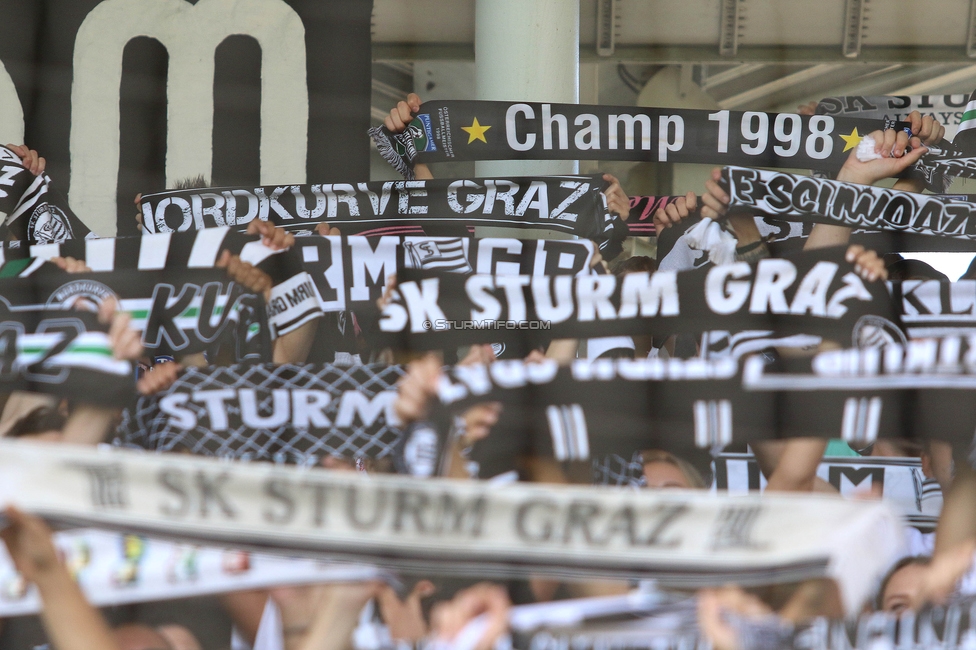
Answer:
x=621 y=406
x=63 y=353
x=573 y=205
x=294 y=414
x=483 y=130
x=31 y=209
x=443 y=525
x=815 y=292
x=848 y=204
x=177 y=311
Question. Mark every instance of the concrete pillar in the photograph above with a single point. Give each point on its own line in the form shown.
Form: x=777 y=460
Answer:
x=527 y=50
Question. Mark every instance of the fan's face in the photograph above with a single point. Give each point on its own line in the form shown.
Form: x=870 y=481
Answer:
x=661 y=475
x=904 y=589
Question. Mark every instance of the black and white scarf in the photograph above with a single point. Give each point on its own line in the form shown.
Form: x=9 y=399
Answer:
x=944 y=161
x=177 y=312
x=574 y=205
x=295 y=414
x=291 y=292
x=351 y=272
x=63 y=353
x=814 y=292
x=946 y=109
x=804 y=198
x=622 y=406
x=31 y=209
x=900 y=481
x=485 y=130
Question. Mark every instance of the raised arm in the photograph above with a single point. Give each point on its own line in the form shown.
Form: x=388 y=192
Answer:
x=69 y=619
x=400 y=116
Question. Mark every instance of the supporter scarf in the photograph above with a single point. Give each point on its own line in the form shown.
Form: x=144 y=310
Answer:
x=31 y=209
x=346 y=271
x=353 y=271
x=622 y=406
x=934 y=308
x=178 y=311
x=899 y=481
x=117 y=569
x=815 y=292
x=62 y=353
x=294 y=414
x=672 y=626
x=917 y=391
x=640 y=221
x=955 y=112
x=946 y=109
x=785 y=236
x=462 y=130
x=292 y=293
x=474 y=527
x=573 y=205
x=848 y=204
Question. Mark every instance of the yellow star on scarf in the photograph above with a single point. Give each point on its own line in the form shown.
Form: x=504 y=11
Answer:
x=850 y=141
x=476 y=131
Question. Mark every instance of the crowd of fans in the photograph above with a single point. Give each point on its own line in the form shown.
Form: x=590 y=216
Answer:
x=431 y=608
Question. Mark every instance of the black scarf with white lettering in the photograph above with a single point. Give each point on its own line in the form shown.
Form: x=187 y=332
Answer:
x=805 y=198
x=483 y=130
x=177 y=311
x=176 y=252
x=351 y=272
x=573 y=205
x=815 y=292
x=294 y=414
x=918 y=391
x=63 y=353
x=935 y=308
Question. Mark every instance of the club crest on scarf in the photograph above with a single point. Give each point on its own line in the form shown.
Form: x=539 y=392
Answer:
x=49 y=225
x=81 y=294
x=446 y=255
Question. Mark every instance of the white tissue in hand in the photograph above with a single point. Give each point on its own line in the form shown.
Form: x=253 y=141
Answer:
x=865 y=149
x=707 y=235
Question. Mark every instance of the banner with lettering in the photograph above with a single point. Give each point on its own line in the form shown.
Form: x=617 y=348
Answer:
x=345 y=272
x=814 y=292
x=805 y=198
x=120 y=569
x=933 y=308
x=64 y=353
x=623 y=406
x=294 y=414
x=177 y=312
x=643 y=619
x=946 y=109
x=462 y=130
x=140 y=94
x=151 y=255
x=474 y=527
x=918 y=391
x=574 y=205
x=900 y=481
